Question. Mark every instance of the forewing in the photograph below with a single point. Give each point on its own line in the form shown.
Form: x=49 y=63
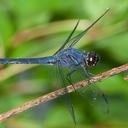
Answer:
x=68 y=38
x=79 y=36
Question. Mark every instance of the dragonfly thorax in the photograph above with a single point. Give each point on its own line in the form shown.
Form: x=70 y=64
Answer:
x=73 y=57
x=91 y=59
x=70 y=57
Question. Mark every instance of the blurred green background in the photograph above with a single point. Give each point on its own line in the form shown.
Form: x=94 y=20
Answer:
x=35 y=28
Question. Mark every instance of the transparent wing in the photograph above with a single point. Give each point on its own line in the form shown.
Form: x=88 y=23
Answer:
x=96 y=90
x=68 y=38
x=79 y=36
x=67 y=96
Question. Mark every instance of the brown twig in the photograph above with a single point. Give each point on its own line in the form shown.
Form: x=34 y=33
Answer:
x=60 y=92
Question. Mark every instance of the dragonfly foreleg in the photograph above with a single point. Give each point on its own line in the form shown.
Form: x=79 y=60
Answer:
x=86 y=73
x=104 y=96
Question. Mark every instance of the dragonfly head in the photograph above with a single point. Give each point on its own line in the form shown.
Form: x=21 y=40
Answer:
x=92 y=59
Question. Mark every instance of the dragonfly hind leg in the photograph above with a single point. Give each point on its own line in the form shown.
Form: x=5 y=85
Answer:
x=67 y=96
x=69 y=78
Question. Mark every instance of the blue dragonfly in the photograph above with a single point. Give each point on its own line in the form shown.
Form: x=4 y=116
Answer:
x=66 y=56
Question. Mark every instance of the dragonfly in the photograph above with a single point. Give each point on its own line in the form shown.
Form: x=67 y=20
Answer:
x=66 y=56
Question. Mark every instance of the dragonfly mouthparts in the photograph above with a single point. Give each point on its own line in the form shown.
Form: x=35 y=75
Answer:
x=92 y=59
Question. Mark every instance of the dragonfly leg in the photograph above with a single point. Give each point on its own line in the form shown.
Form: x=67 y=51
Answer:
x=104 y=96
x=86 y=73
x=67 y=96
x=69 y=78
x=74 y=60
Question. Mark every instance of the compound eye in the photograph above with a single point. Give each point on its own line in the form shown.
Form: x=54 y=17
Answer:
x=92 y=59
